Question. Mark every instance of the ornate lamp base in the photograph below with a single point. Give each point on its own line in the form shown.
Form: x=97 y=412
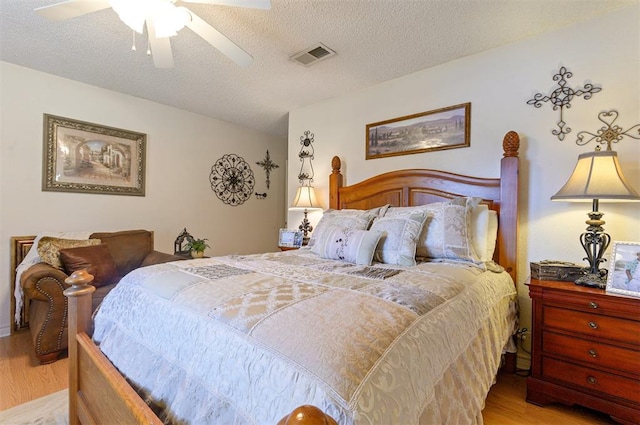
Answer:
x=306 y=228
x=595 y=242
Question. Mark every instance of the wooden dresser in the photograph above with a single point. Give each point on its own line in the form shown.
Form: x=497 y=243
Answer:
x=586 y=349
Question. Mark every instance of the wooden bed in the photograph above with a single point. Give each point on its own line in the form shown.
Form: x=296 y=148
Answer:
x=99 y=394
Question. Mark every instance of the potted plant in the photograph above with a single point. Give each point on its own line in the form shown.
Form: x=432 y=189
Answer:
x=197 y=247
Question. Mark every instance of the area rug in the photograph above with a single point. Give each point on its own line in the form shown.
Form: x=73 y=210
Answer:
x=48 y=410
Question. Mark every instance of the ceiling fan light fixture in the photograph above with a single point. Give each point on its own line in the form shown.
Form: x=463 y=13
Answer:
x=168 y=18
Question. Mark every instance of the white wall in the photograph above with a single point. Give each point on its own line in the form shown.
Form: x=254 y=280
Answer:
x=181 y=148
x=498 y=83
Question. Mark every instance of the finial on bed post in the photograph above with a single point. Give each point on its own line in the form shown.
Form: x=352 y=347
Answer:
x=511 y=144
x=335 y=182
x=307 y=415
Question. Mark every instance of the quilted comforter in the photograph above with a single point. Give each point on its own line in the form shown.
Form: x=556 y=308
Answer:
x=245 y=339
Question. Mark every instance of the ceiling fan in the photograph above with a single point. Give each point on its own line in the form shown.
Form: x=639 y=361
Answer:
x=163 y=19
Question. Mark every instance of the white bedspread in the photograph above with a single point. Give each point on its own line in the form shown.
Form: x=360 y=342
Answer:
x=245 y=339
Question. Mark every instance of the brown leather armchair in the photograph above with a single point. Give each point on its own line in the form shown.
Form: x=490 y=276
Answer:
x=43 y=284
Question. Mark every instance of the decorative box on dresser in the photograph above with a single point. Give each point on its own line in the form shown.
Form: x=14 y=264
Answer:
x=586 y=349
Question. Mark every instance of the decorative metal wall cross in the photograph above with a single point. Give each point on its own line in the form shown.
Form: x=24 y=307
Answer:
x=609 y=133
x=561 y=98
x=268 y=165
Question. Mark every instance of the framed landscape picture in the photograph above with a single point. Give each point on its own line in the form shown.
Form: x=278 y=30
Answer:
x=91 y=158
x=624 y=269
x=445 y=128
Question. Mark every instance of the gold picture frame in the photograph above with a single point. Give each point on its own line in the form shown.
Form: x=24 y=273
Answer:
x=85 y=157
x=444 y=128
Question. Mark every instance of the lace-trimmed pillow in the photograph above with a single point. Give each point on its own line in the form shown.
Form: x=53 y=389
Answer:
x=346 y=219
x=399 y=237
x=49 y=248
x=352 y=246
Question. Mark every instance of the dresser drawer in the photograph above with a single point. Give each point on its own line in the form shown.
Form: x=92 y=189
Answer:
x=600 y=355
x=592 y=380
x=579 y=322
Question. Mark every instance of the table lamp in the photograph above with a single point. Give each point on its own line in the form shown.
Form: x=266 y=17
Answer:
x=597 y=176
x=305 y=200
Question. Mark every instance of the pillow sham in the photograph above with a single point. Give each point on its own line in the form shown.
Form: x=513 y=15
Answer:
x=346 y=219
x=352 y=246
x=96 y=259
x=49 y=248
x=448 y=231
x=399 y=237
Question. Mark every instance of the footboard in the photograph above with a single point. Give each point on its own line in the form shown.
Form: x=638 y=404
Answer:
x=98 y=394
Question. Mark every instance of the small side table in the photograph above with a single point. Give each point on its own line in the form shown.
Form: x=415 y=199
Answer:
x=288 y=248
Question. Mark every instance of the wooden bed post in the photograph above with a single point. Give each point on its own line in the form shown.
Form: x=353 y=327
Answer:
x=79 y=316
x=509 y=170
x=336 y=181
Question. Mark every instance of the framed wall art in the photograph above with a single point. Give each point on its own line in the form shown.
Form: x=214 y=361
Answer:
x=624 y=269
x=91 y=158
x=444 y=128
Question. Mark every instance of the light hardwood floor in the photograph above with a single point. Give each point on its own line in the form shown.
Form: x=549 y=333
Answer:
x=22 y=379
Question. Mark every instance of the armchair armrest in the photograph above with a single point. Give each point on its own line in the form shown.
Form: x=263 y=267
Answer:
x=43 y=282
x=157 y=257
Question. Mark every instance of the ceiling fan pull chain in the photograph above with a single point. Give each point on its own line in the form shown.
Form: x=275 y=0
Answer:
x=133 y=43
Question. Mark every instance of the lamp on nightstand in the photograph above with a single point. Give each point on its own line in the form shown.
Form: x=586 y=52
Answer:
x=305 y=200
x=597 y=176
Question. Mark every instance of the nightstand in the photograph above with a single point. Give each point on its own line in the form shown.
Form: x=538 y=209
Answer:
x=586 y=349
x=288 y=248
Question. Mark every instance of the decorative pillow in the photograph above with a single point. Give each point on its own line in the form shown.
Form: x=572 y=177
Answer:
x=448 y=231
x=96 y=259
x=399 y=237
x=346 y=219
x=49 y=248
x=352 y=246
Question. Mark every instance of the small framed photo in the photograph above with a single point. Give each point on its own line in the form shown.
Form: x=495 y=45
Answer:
x=290 y=238
x=624 y=269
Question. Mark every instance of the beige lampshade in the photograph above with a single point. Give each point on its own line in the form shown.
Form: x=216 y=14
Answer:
x=597 y=176
x=305 y=199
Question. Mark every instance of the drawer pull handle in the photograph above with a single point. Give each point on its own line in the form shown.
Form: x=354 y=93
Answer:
x=593 y=325
x=592 y=380
x=593 y=353
x=593 y=304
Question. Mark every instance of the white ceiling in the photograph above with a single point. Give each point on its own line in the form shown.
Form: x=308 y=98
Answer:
x=375 y=40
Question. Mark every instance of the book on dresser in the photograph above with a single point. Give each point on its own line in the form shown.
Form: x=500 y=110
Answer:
x=586 y=349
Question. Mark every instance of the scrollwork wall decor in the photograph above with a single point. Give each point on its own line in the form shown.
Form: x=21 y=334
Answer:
x=306 y=154
x=610 y=132
x=232 y=180
x=561 y=98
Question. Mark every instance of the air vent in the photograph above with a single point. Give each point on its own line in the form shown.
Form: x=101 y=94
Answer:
x=312 y=55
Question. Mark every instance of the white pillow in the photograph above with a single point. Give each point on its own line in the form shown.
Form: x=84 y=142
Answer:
x=492 y=235
x=346 y=219
x=399 y=237
x=479 y=230
x=352 y=246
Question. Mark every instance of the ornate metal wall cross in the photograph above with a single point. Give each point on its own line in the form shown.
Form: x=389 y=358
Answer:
x=268 y=165
x=561 y=98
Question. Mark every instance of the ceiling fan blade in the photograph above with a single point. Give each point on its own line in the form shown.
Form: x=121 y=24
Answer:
x=71 y=9
x=160 y=47
x=253 y=4
x=219 y=41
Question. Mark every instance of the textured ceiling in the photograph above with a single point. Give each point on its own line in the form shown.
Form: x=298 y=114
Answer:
x=375 y=40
